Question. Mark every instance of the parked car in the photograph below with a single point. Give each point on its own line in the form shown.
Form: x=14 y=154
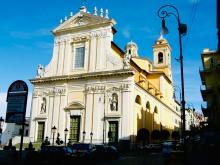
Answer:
x=83 y=150
x=112 y=152
x=56 y=149
x=101 y=152
x=167 y=147
x=104 y=152
x=55 y=154
x=153 y=148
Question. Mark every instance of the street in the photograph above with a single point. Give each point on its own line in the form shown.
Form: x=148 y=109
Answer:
x=143 y=159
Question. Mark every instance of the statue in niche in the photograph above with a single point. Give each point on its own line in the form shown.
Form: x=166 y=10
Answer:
x=127 y=58
x=40 y=71
x=114 y=102
x=43 y=106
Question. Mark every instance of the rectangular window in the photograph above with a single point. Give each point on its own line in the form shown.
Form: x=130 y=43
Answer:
x=79 y=57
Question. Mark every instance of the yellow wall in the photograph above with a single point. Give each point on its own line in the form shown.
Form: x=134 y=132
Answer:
x=210 y=75
x=154 y=79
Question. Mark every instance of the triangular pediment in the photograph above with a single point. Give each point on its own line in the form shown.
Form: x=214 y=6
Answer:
x=82 y=19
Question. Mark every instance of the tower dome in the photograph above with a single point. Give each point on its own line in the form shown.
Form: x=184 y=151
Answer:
x=161 y=41
x=132 y=49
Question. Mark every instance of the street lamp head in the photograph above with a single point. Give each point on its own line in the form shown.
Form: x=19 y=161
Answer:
x=54 y=129
x=164 y=29
x=84 y=132
x=183 y=29
x=91 y=134
x=66 y=131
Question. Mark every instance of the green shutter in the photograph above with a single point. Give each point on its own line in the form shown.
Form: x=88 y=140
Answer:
x=113 y=128
x=40 y=132
x=74 y=128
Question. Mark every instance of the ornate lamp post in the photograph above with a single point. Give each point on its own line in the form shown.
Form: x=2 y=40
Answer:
x=65 y=133
x=53 y=132
x=182 y=28
x=91 y=134
x=84 y=134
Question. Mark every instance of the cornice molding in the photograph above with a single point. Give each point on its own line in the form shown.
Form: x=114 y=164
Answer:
x=82 y=76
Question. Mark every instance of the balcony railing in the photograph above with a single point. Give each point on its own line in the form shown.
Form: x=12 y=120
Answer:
x=204 y=110
x=205 y=91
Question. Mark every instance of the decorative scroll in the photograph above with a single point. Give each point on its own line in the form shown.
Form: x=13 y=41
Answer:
x=49 y=91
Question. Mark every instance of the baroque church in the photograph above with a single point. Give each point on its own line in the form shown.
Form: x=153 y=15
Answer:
x=96 y=91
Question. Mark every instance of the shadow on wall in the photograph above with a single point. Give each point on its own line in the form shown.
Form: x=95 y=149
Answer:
x=154 y=132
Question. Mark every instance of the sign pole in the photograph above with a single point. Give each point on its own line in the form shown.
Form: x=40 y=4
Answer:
x=22 y=129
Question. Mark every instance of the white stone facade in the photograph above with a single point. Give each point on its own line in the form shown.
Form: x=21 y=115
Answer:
x=96 y=97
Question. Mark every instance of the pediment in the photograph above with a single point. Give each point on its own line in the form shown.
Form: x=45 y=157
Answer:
x=75 y=106
x=82 y=19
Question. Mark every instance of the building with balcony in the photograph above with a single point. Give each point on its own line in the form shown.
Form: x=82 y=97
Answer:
x=210 y=89
x=99 y=92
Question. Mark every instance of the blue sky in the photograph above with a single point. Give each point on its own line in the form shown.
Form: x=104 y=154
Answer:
x=26 y=39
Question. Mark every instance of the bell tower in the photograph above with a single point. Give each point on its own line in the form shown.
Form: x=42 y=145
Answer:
x=132 y=49
x=162 y=57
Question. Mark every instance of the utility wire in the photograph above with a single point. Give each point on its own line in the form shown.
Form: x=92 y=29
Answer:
x=192 y=16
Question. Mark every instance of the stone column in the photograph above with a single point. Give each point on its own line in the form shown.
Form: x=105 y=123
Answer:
x=34 y=108
x=92 y=53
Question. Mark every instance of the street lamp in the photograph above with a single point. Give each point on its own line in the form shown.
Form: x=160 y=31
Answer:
x=65 y=133
x=1 y=123
x=182 y=28
x=91 y=134
x=84 y=134
x=53 y=132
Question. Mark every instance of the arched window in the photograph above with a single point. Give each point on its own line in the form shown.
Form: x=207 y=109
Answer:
x=138 y=100
x=43 y=105
x=149 y=67
x=114 y=102
x=148 y=105
x=160 y=57
x=129 y=51
x=155 y=109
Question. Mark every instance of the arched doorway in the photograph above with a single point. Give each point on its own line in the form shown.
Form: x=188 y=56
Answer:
x=75 y=121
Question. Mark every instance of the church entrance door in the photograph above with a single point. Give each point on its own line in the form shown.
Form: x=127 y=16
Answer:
x=74 y=128
x=113 y=132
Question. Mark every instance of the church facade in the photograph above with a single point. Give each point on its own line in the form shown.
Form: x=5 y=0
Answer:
x=99 y=92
